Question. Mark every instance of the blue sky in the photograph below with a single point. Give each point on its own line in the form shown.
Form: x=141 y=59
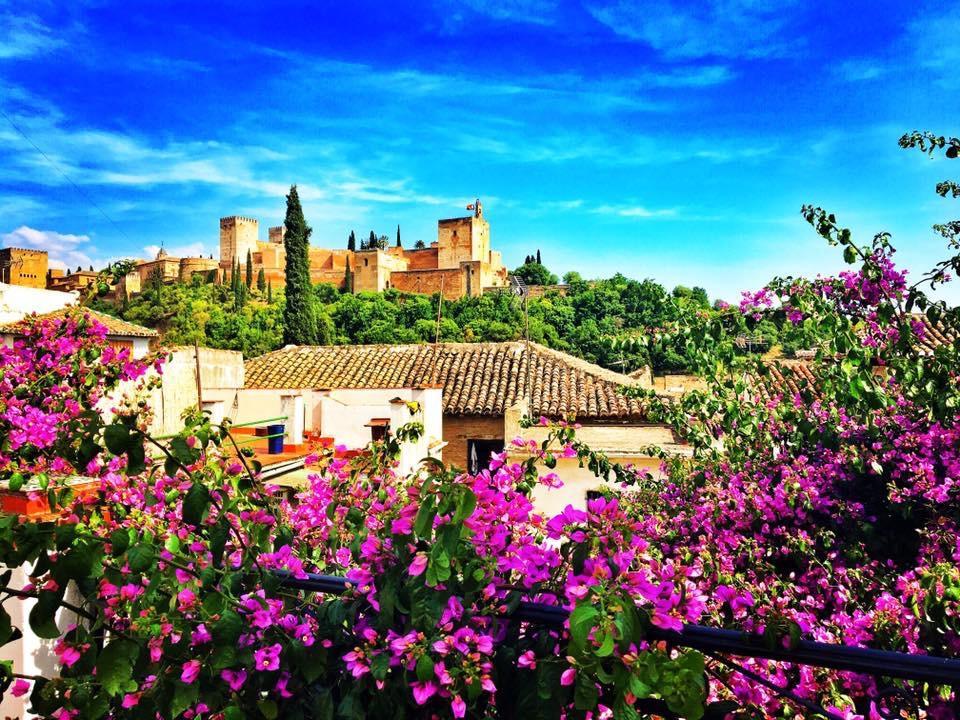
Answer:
x=667 y=140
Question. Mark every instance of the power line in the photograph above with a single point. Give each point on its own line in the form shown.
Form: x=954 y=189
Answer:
x=66 y=177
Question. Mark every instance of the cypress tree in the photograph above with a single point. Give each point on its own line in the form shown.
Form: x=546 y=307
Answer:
x=348 y=278
x=299 y=313
x=261 y=281
x=538 y=257
x=372 y=241
x=398 y=236
x=249 y=270
x=270 y=291
x=352 y=241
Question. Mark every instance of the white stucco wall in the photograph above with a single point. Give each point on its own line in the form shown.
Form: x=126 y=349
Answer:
x=30 y=655
x=16 y=301
x=623 y=444
x=221 y=376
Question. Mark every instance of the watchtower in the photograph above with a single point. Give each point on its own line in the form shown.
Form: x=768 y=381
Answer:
x=238 y=235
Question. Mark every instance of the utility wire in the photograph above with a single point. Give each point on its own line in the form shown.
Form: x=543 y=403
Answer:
x=66 y=177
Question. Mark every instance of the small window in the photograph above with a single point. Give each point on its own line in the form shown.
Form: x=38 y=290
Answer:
x=379 y=427
x=365 y=262
x=479 y=452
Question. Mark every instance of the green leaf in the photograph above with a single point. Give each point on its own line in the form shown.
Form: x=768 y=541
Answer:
x=195 y=504
x=115 y=666
x=228 y=628
x=268 y=708
x=16 y=481
x=380 y=666
x=581 y=623
x=425 y=667
x=218 y=540
x=140 y=557
x=43 y=614
x=585 y=695
x=119 y=542
x=423 y=525
x=606 y=645
x=117 y=438
x=184 y=697
x=466 y=506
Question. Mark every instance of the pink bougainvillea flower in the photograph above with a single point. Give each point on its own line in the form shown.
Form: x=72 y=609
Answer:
x=423 y=691
x=190 y=671
x=20 y=687
x=235 y=679
x=267 y=658
x=418 y=565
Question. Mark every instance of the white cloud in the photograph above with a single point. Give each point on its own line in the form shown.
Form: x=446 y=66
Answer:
x=23 y=36
x=933 y=39
x=861 y=69
x=634 y=211
x=711 y=28
x=65 y=250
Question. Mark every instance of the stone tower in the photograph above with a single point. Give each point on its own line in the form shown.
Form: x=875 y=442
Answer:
x=238 y=235
x=465 y=239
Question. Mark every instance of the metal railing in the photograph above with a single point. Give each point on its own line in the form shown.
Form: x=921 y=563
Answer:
x=717 y=643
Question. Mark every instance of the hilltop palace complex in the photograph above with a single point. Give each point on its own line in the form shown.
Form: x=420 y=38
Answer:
x=459 y=263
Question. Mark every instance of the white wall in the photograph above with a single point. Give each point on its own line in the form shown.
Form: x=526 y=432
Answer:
x=221 y=377
x=30 y=655
x=16 y=301
x=344 y=415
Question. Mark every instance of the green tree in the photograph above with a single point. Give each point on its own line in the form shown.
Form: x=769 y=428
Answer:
x=299 y=318
x=249 y=270
x=372 y=240
x=348 y=278
x=261 y=280
x=533 y=273
x=419 y=245
x=538 y=257
x=269 y=291
x=398 y=236
x=352 y=241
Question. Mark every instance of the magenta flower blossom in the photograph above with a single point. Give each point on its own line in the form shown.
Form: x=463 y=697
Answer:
x=418 y=565
x=268 y=658
x=190 y=671
x=234 y=679
x=423 y=691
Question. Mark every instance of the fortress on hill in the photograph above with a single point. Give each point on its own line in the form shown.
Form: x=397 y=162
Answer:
x=459 y=263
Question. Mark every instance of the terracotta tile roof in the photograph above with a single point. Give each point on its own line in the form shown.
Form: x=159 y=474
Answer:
x=787 y=378
x=935 y=335
x=115 y=326
x=477 y=378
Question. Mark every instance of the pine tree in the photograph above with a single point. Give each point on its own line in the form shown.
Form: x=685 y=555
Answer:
x=249 y=270
x=299 y=313
x=261 y=281
x=419 y=245
x=352 y=241
x=538 y=257
x=398 y=237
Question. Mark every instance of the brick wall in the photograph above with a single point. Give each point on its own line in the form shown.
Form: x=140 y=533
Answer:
x=425 y=259
x=457 y=429
x=428 y=281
